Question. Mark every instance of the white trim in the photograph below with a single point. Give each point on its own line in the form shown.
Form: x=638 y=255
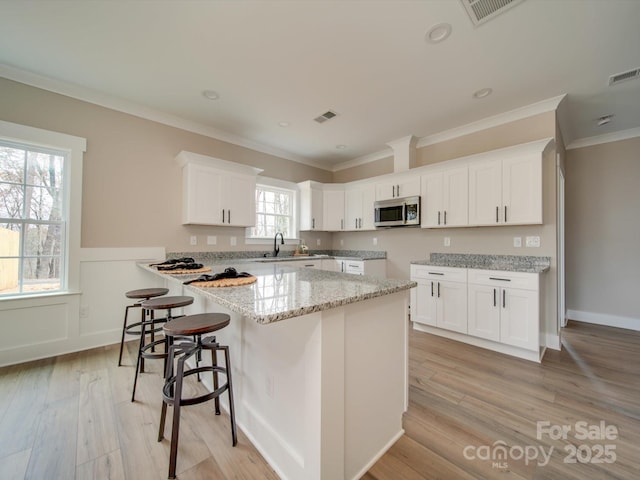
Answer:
x=617 y=321
x=552 y=341
x=543 y=106
x=605 y=138
x=131 y=108
x=379 y=455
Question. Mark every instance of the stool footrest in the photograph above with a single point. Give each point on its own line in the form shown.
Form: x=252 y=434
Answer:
x=168 y=397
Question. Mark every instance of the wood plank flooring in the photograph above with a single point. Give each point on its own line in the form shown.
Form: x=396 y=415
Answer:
x=71 y=417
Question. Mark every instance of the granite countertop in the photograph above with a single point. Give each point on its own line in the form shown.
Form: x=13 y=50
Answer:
x=284 y=291
x=507 y=263
x=285 y=255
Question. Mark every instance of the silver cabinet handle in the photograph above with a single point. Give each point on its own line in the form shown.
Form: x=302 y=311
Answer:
x=438 y=217
x=505 y=213
x=342 y=224
x=497 y=212
x=223 y=215
x=494 y=297
x=438 y=289
x=313 y=223
x=398 y=189
x=228 y=216
x=504 y=299
x=500 y=279
x=432 y=289
x=445 y=217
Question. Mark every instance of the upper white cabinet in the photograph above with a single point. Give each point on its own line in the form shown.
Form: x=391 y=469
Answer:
x=359 y=213
x=333 y=206
x=217 y=192
x=311 y=206
x=398 y=186
x=506 y=191
x=445 y=198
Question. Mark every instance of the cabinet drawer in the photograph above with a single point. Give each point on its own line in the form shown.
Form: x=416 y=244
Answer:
x=355 y=267
x=499 y=278
x=449 y=274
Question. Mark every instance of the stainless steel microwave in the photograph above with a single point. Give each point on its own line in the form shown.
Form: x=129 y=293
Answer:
x=398 y=212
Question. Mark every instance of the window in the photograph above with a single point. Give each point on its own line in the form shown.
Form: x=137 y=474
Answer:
x=275 y=212
x=32 y=219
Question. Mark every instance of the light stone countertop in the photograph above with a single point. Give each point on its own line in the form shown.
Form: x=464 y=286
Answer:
x=506 y=263
x=283 y=291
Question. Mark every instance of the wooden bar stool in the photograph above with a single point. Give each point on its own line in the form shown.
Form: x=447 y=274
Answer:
x=135 y=328
x=194 y=325
x=147 y=350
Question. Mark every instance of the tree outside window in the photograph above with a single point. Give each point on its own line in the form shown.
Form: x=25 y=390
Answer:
x=32 y=219
x=274 y=212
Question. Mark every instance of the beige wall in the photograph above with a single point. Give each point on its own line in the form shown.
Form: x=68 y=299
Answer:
x=603 y=229
x=368 y=170
x=131 y=182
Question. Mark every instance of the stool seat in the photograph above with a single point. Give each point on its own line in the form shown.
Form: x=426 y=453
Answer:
x=197 y=324
x=163 y=303
x=147 y=293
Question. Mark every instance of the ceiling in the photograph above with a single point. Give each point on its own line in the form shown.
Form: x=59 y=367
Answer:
x=367 y=61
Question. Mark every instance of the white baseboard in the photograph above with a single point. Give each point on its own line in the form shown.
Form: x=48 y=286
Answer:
x=629 y=323
x=553 y=341
x=379 y=455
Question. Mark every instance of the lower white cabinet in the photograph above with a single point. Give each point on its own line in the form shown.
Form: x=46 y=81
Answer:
x=505 y=307
x=306 y=263
x=493 y=309
x=377 y=267
x=440 y=299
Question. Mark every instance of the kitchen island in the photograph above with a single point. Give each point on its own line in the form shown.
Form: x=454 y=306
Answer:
x=319 y=363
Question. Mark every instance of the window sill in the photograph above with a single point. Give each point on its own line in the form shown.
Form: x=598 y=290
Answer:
x=38 y=296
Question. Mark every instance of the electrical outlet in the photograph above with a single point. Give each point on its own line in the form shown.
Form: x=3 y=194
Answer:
x=447 y=241
x=517 y=241
x=341 y=242
x=212 y=239
x=533 y=241
x=193 y=240
x=84 y=311
x=233 y=241
x=375 y=241
x=318 y=242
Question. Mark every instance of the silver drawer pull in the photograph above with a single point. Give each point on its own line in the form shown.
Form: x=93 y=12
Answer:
x=500 y=279
x=435 y=273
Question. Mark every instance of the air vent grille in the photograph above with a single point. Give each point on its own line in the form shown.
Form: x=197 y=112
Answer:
x=621 y=77
x=328 y=115
x=481 y=11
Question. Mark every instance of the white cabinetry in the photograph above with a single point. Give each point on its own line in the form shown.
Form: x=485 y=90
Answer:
x=398 y=186
x=316 y=263
x=359 y=213
x=217 y=192
x=311 y=206
x=333 y=205
x=445 y=198
x=505 y=307
x=506 y=191
x=377 y=268
x=440 y=299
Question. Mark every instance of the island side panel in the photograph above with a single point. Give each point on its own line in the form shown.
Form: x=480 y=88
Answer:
x=375 y=379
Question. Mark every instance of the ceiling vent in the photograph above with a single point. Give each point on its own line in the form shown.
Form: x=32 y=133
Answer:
x=621 y=77
x=482 y=11
x=328 y=115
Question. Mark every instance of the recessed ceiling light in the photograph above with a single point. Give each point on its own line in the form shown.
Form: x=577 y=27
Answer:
x=211 y=95
x=284 y=124
x=604 y=120
x=438 y=33
x=341 y=147
x=483 y=92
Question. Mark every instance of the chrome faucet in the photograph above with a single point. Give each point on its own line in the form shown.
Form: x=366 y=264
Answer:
x=276 y=248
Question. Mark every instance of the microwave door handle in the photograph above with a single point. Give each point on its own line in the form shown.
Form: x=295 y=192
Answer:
x=404 y=213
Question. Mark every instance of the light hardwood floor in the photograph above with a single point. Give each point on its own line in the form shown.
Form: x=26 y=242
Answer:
x=71 y=416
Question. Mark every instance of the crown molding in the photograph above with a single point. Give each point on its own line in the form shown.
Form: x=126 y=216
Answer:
x=114 y=103
x=543 y=106
x=605 y=138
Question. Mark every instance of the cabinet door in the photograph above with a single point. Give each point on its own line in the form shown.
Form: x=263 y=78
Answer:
x=333 y=204
x=423 y=303
x=238 y=199
x=201 y=195
x=431 y=200
x=485 y=193
x=484 y=312
x=353 y=199
x=455 y=197
x=519 y=318
x=398 y=187
x=452 y=306
x=329 y=264
x=522 y=190
x=368 y=214
x=310 y=208
x=305 y=263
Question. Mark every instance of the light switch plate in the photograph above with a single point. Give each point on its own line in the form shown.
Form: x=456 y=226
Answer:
x=232 y=241
x=318 y=242
x=517 y=241
x=212 y=239
x=447 y=241
x=193 y=240
x=375 y=241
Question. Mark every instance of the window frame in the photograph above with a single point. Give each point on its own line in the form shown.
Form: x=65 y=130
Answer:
x=277 y=185
x=73 y=148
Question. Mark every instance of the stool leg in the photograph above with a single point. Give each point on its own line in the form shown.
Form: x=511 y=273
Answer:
x=135 y=378
x=124 y=327
x=214 y=362
x=143 y=318
x=175 y=429
x=232 y=415
x=153 y=329
x=168 y=374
